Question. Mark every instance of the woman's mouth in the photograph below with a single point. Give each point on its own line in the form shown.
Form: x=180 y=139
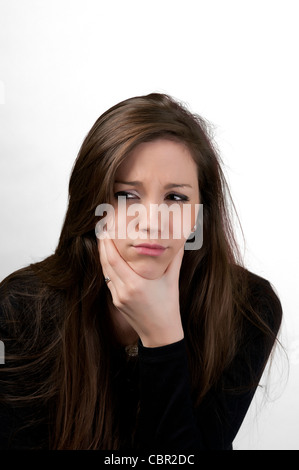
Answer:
x=149 y=249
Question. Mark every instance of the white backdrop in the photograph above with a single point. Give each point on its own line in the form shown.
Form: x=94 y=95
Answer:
x=235 y=62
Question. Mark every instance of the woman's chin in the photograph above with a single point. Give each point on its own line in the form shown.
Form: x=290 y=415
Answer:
x=147 y=270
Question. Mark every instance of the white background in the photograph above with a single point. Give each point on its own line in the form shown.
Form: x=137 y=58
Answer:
x=235 y=62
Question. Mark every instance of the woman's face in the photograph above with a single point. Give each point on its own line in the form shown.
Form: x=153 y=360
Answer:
x=158 y=172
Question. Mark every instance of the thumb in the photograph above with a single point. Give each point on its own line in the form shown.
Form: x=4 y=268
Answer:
x=173 y=270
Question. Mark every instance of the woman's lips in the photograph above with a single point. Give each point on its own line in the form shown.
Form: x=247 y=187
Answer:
x=150 y=249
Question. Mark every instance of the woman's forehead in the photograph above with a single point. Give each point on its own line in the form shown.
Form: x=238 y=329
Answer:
x=161 y=157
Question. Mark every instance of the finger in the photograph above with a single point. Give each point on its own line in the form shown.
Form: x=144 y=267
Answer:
x=108 y=271
x=106 y=268
x=119 y=266
x=103 y=258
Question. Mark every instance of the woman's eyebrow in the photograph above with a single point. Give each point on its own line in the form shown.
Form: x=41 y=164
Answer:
x=175 y=185
x=167 y=186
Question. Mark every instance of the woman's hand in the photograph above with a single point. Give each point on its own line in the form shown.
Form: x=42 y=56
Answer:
x=151 y=307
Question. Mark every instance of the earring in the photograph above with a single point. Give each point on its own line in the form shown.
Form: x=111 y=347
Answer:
x=194 y=228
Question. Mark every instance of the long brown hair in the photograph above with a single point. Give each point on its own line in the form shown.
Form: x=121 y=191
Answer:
x=68 y=337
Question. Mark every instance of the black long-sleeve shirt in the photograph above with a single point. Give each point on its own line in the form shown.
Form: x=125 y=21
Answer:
x=159 y=377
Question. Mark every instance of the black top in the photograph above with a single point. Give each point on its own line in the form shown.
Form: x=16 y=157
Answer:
x=159 y=377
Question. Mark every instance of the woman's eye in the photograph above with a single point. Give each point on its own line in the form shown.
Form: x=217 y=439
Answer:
x=172 y=197
x=178 y=197
x=126 y=194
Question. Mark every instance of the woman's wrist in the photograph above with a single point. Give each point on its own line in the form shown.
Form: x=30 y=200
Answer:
x=162 y=338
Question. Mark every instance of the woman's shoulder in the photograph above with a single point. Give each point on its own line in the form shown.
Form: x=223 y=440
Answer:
x=258 y=326
x=14 y=290
x=21 y=279
x=263 y=299
x=24 y=298
x=258 y=323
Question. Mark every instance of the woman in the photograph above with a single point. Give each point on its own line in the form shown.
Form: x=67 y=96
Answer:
x=113 y=345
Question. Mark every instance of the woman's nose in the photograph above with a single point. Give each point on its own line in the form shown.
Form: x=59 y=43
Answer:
x=154 y=220
x=148 y=221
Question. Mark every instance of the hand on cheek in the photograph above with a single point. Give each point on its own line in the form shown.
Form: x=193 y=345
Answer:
x=151 y=306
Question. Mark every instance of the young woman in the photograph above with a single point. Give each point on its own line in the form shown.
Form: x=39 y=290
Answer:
x=114 y=345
